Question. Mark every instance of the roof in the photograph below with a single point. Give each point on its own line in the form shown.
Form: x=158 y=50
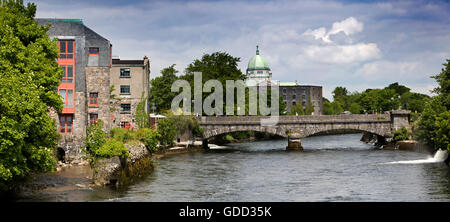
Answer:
x=288 y=84
x=127 y=62
x=62 y=20
x=258 y=62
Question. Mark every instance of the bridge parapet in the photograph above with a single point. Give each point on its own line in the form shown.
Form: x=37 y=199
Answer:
x=252 y=120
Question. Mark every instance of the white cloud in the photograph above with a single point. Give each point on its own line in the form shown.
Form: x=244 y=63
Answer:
x=349 y=26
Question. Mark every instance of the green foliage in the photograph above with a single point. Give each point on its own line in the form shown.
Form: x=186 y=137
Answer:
x=29 y=77
x=442 y=138
x=401 y=134
x=297 y=109
x=332 y=108
x=309 y=109
x=399 y=89
x=168 y=132
x=111 y=148
x=229 y=137
x=141 y=115
x=123 y=135
x=113 y=99
x=432 y=127
x=149 y=137
x=161 y=94
x=95 y=138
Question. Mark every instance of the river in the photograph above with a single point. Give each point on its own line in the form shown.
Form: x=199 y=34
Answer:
x=331 y=168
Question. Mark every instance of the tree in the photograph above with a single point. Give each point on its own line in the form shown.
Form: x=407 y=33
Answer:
x=160 y=93
x=399 y=89
x=297 y=109
x=442 y=138
x=29 y=77
x=309 y=109
x=340 y=95
x=431 y=126
x=219 y=66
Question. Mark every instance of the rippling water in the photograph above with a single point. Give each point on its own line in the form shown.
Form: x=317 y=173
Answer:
x=331 y=168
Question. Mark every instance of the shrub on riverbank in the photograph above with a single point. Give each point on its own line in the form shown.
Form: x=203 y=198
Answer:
x=112 y=148
x=401 y=134
x=98 y=146
x=168 y=132
x=123 y=135
x=149 y=137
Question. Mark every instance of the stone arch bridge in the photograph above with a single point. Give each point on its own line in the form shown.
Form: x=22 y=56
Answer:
x=296 y=127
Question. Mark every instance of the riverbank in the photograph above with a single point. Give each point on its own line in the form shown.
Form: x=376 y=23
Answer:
x=77 y=179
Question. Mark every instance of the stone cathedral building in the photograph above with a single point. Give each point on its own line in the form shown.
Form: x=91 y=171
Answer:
x=258 y=71
x=89 y=72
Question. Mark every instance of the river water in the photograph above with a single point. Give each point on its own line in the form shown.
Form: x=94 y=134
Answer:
x=331 y=168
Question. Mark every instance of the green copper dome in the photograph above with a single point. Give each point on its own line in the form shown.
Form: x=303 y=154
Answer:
x=258 y=62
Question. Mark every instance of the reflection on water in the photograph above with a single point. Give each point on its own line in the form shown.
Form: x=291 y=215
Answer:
x=331 y=168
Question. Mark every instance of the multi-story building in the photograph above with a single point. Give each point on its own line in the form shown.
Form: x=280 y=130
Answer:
x=130 y=79
x=89 y=73
x=258 y=72
x=85 y=57
x=293 y=94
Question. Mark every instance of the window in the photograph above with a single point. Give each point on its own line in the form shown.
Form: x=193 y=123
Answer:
x=259 y=72
x=66 y=49
x=294 y=103
x=284 y=90
x=93 y=117
x=67 y=96
x=125 y=73
x=284 y=97
x=65 y=123
x=67 y=74
x=124 y=89
x=125 y=125
x=93 y=51
x=125 y=107
x=294 y=96
x=93 y=99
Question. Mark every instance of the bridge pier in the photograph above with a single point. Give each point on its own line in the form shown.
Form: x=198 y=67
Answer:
x=294 y=142
x=205 y=144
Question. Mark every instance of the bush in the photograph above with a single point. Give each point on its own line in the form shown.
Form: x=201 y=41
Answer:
x=168 y=132
x=112 y=148
x=149 y=137
x=95 y=138
x=401 y=134
x=122 y=135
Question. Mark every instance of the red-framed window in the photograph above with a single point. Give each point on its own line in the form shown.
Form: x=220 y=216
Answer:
x=66 y=123
x=93 y=99
x=67 y=62
x=125 y=125
x=66 y=49
x=94 y=51
x=67 y=74
x=67 y=95
x=93 y=117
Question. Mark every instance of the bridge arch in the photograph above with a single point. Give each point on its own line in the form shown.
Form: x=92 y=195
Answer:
x=210 y=132
x=379 y=129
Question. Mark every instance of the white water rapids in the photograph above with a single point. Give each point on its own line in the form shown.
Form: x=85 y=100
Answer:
x=439 y=156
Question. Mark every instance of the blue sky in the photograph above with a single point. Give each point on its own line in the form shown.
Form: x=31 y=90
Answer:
x=356 y=44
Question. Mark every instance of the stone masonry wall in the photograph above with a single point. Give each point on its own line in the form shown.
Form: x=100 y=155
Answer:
x=97 y=81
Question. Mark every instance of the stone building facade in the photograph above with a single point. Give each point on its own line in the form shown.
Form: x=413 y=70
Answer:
x=130 y=79
x=293 y=94
x=85 y=57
